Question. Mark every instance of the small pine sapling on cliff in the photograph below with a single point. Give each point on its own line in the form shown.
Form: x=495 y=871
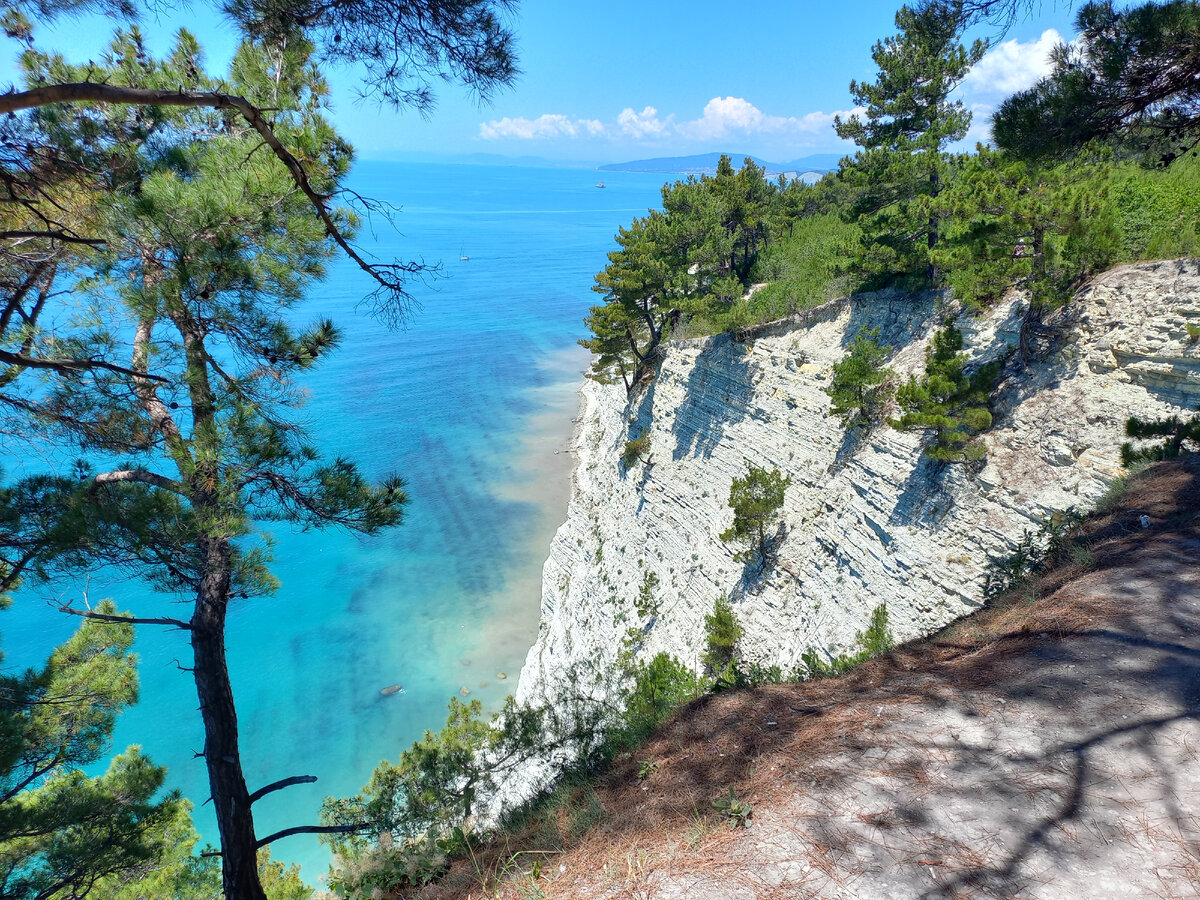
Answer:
x=636 y=449
x=858 y=388
x=876 y=640
x=722 y=633
x=948 y=402
x=645 y=604
x=1176 y=432
x=756 y=501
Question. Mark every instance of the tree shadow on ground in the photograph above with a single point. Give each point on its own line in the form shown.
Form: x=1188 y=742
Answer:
x=853 y=439
x=917 y=502
x=900 y=317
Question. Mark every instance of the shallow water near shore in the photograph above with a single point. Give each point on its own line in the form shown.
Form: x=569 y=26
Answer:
x=470 y=404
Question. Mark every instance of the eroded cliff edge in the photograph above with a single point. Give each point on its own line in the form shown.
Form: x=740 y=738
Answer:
x=867 y=520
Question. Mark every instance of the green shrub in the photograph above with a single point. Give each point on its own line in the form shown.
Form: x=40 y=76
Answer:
x=755 y=675
x=876 y=640
x=636 y=449
x=737 y=811
x=646 y=605
x=1158 y=210
x=659 y=686
x=947 y=402
x=1033 y=552
x=806 y=268
x=646 y=768
x=722 y=633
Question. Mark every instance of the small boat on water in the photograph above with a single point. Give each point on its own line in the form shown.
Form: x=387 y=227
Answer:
x=600 y=184
x=391 y=689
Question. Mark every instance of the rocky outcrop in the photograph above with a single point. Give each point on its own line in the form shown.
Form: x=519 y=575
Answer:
x=866 y=520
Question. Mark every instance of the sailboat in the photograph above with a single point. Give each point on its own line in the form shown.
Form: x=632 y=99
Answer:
x=462 y=257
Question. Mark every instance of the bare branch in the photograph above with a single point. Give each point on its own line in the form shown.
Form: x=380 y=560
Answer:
x=69 y=365
x=307 y=829
x=281 y=784
x=141 y=475
x=121 y=620
x=57 y=235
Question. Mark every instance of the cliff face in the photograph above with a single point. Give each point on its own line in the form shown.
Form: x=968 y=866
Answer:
x=866 y=519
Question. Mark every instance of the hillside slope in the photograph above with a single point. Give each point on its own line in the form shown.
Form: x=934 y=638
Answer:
x=1045 y=747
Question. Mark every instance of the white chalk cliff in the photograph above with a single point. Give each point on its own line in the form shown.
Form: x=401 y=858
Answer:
x=867 y=520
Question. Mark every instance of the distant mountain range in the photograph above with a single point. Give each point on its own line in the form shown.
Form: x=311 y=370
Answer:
x=706 y=164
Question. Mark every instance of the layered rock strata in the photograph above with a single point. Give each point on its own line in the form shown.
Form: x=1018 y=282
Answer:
x=867 y=520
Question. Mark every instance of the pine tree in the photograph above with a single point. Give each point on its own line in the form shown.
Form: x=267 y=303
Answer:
x=1132 y=76
x=1015 y=224
x=61 y=830
x=638 y=303
x=857 y=389
x=191 y=213
x=756 y=501
x=909 y=120
x=1178 y=436
x=947 y=401
x=1008 y=222
x=208 y=248
x=721 y=635
x=692 y=259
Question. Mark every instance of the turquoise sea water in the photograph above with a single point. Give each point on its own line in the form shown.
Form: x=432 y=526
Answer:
x=469 y=403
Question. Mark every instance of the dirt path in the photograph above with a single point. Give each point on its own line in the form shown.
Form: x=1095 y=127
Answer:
x=1046 y=748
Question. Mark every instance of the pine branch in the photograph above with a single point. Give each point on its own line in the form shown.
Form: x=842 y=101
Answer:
x=389 y=277
x=140 y=475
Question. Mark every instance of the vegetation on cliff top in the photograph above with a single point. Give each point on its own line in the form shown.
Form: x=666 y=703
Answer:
x=906 y=211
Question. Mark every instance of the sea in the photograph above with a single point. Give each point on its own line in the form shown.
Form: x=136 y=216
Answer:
x=471 y=402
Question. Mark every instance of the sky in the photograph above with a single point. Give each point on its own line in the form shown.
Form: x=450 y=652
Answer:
x=630 y=79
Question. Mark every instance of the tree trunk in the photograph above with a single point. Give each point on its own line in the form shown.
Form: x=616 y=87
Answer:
x=231 y=799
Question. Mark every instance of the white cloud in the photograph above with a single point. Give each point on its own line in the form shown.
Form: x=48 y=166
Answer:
x=548 y=125
x=980 y=131
x=1012 y=66
x=644 y=124
x=736 y=116
x=721 y=117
